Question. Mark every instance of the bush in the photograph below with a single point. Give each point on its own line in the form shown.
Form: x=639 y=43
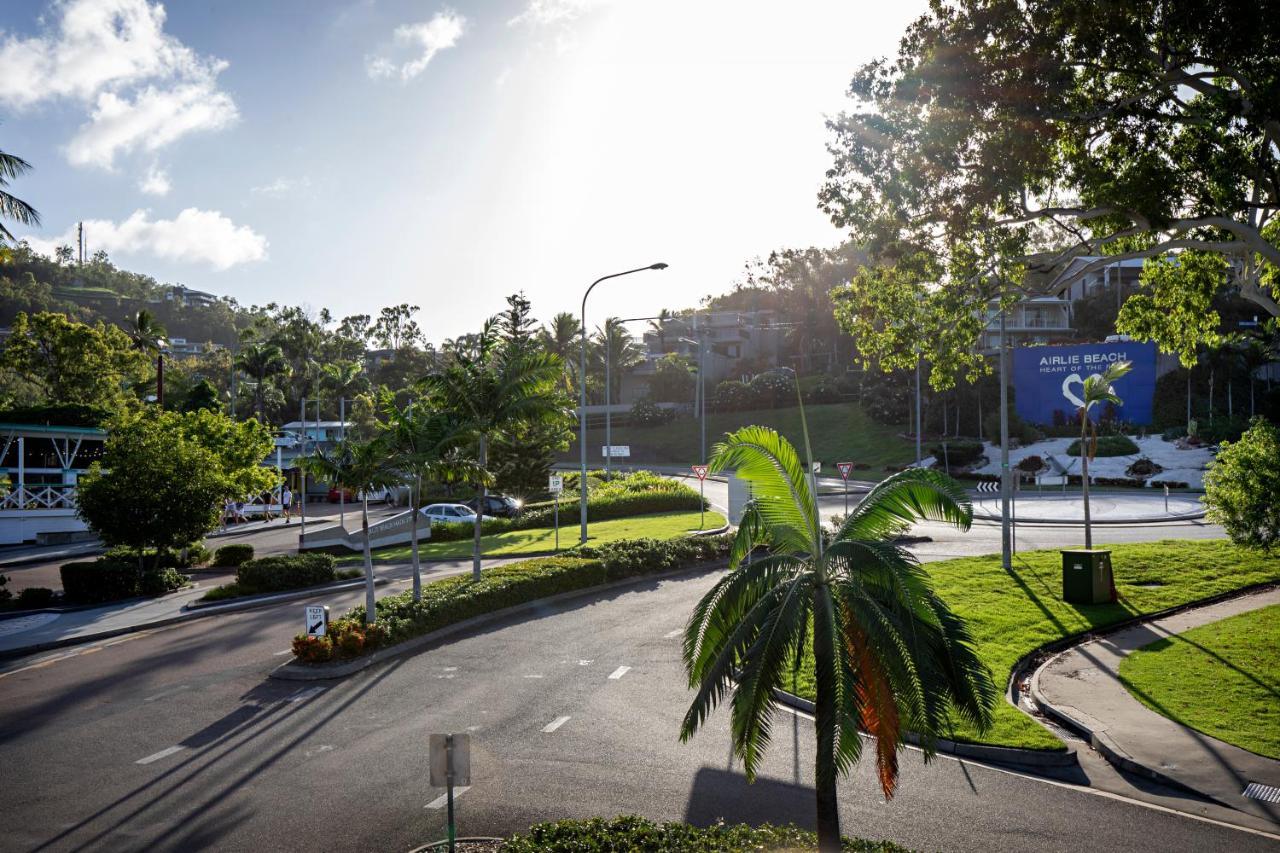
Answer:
x=1108 y=445
x=824 y=390
x=160 y=581
x=958 y=453
x=1241 y=486
x=5 y=594
x=232 y=555
x=34 y=596
x=632 y=557
x=276 y=574
x=197 y=555
x=1143 y=467
x=104 y=579
x=646 y=413
x=1031 y=464
x=1223 y=429
x=163 y=559
x=773 y=390
x=1173 y=484
x=1174 y=433
x=312 y=649
x=731 y=396
x=631 y=833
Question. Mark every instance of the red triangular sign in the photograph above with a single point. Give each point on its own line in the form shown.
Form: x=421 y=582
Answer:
x=845 y=468
x=701 y=471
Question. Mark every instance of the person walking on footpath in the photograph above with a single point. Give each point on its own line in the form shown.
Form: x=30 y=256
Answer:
x=286 y=503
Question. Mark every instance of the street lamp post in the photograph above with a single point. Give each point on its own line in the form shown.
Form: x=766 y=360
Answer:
x=608 y=392
x=582 y=393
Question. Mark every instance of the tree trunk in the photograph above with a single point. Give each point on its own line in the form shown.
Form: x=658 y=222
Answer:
x=370 y=610
x=824 y=723
x=480 y=494
x=414 y=500
x=1084 y=476
x=160 y=380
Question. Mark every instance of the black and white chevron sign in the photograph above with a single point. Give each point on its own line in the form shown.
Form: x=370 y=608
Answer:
x=989 y=486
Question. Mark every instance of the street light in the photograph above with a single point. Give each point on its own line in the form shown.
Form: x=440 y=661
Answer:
x=582 y=391
x=608 y=391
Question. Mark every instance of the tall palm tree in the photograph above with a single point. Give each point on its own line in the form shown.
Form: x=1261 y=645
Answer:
x=419 y=441
x=1097 y=389
x=361 y=467
x=150 y=337
x=261 y=360
x=659 y=327
x=889 y=656
x=13 y=208
x=618 y=352
x=561 y=340
x=493 y=393
x=344 y=379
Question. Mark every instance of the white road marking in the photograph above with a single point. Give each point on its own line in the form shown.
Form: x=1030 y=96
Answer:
x=285 y=652
x=164 y=693
x=619 y=672
x=673 y=634
x=164 y=753
x=586 y=662
x=450 y=669
x=538 y=675
x=443 y=800
x=555 y=724
x=306 y=693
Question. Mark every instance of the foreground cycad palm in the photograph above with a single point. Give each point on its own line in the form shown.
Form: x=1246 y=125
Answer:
x=889 y=656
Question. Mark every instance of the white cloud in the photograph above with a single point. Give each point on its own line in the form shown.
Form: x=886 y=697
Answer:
x=426 y=39
x=155 y=182
x=544 y=13
x=144 y=88
x=193 y=236
x=281 y=187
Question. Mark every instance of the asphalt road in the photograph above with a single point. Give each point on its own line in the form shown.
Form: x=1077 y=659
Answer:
x=176 y=739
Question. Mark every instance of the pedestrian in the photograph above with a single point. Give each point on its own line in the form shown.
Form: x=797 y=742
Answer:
x=239 y=515
x=286 y=503
x=268 y=499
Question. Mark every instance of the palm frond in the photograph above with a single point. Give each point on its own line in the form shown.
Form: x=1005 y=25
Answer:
x=900 y=500
x=778 y=479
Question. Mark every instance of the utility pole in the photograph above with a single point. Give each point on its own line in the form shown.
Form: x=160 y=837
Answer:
x=342 y=493
x=80 y=242
x=1006 y=541
x=918 y=451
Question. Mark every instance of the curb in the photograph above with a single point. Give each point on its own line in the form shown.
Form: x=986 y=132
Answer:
x=1001 y=754
x=272 y=597
x=1163 y=519
x=293 y=671
x=232 y=606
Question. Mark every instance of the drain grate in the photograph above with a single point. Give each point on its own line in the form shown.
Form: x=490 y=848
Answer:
x=1266 y=793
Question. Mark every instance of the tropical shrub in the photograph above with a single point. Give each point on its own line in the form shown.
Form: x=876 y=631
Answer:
x=312 y=649
x=232 y=555
x=1143 y=466
x=958 y=454
x=1108 y=445
x=1241 y=487
x=160 y=581
x=33 y=597
x=773 y=389
x=279 y=573
x=731 y=396
x=631 y=833
x=1031 y=464
x=104 y=579
x=646 y=413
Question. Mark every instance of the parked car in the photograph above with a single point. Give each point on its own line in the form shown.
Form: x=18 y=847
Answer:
x=449 y=513
x=499 y=506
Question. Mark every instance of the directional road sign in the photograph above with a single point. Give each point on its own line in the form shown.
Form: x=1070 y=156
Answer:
x=317 y=620
x=441 y=747
x=616 y=450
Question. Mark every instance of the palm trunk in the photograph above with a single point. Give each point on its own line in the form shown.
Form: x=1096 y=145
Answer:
x=1084 y=477
x=414 y=500
x=480 y=493
x=824 y=722
x=370 y=609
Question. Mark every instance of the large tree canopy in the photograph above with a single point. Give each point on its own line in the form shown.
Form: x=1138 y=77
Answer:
x=1010 y=137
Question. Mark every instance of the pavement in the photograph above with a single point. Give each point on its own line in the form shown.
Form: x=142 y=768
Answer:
x=177 y=739
x=1134 y=507
x=1083 y=685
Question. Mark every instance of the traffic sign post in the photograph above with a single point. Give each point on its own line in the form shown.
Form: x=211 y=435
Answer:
x=450 y=762
x=844 y=468
x=317 y=620
x=701 y=471
x=556 y=485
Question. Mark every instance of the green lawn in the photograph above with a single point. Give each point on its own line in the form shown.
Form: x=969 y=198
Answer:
x=667 y=525
x=1222 y=679
x=840 y=432
x=1013 y=613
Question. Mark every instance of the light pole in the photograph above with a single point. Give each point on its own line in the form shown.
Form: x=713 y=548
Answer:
x=582 y=392
x=608 y=392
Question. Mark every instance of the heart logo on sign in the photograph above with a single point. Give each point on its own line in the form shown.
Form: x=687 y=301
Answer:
x=1066 y=390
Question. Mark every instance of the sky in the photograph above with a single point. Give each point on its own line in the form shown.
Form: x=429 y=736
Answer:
x=360 y=154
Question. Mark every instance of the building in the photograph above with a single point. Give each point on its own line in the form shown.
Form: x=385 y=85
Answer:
x=182 y=346
x=186 y=296
x=41 y=465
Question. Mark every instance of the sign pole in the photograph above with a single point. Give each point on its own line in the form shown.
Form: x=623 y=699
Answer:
x=453 y=830
x=702 y=495
x=557 y=514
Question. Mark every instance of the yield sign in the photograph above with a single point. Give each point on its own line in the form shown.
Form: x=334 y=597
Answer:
x=845 y=468
x=701 y=471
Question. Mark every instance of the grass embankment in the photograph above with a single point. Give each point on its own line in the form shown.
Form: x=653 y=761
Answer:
x=1012 y=613
x=540 y=540
x=841 y=432
x=1222 y=679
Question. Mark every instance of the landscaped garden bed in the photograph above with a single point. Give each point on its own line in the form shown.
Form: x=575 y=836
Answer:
x=280 y=574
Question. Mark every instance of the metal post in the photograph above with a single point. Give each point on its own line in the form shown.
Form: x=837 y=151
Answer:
x=702 y=390
x=702 y=495
x=582 y=423
x=557 y=515
x=302 y=473
x=342 y=493
x=1006 y=541
x=846 y=498
x=448 y=752
x=919 y=455
x=608 y=407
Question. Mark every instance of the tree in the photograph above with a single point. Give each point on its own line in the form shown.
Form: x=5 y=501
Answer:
x=1240 y=487
x=619 y=350
x=561 y=339
x=261 y=361
x=888 y=654
x=63 y=361
x=493 y=394
x=673 y=380
x=1008 y=140
x=1097 y=389
x=150 y=338
x=13 y=208
x=164 y=477
x=361 y=467
x=396 y=328
x=203 y=396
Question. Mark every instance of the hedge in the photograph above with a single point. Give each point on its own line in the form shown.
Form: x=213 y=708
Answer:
x=632 y=833
x=1108 y=445
x=232 y=555
x=109 y=579
x=293 y=571
x=455 y=599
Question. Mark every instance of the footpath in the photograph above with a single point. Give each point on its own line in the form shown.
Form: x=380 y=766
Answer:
x=1081 y=687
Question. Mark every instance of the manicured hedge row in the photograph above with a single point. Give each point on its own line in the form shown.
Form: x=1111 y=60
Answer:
x=632 y=833
x=452 y=600
x=232 y=555
x=107 y=579
x=598 y=509
x=277 y=574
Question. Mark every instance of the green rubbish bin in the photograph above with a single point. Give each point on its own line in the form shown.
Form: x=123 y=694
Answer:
x=1086 y=576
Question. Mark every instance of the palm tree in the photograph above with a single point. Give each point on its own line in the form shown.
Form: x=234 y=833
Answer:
x=261 y=360
x=150 y=337
x=493 y=393
x=618 y=351
x=344 y=379
x=659 y=327
x=420 y=442
x=361 y=467
x=1097 y=389
x=889 y=656
x=561 y=340
x=12 y=207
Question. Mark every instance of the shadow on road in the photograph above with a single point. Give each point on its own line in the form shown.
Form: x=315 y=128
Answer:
x=721 y=794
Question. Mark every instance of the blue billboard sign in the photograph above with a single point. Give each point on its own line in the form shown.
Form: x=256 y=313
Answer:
x=1048 y=381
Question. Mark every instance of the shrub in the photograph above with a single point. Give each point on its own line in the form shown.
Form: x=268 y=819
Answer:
x=628 y=832
x=104 y=579
x=824 y=390
x=731 y=396
x=773 y=390
x=1174 y=433
x=1108 y=445
x=222 y=593
x=5 y=594
x=646 y=413
x=1241 y=486
x=958 y=453
x=232 y=555
x=162 y=559
x=312 y=649
x=34 y=596
x=632 y=557
x=160 y=581
x=1143 y=467
x=197 y=555
x=1173 y=484
x=1031 y=464
x=276 y=574
x=1222 y=429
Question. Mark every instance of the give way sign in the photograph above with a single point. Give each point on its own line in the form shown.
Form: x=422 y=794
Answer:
x=845 y=468
x=701 y=471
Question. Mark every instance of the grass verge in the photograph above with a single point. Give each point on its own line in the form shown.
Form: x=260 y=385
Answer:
x=1222 y=679
x=1013 y=613
x=667 y=525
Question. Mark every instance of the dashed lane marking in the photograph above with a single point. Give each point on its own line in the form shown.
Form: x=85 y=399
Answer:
x=306 y=693
x=284 y=652
x=555 y=724
x=619 y=672
x=670 y=635
x=156 y=756
x=443 y=800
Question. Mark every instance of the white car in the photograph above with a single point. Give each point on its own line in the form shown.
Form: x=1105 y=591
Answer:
x=449 y=513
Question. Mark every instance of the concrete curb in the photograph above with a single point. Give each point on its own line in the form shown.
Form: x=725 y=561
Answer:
x=1163 y=519
x=294 y=671
x=273 y=597
x=1000 y=754
x=233 y=606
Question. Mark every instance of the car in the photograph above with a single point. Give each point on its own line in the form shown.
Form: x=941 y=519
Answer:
x=499 y=506
x=449 y=514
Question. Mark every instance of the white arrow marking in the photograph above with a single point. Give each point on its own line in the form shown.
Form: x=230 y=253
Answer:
x=619 y=672
x=555 y=724
x=443 y=800
x=164 y=753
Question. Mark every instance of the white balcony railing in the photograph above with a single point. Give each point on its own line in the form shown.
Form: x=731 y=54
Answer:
x=39 y=497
